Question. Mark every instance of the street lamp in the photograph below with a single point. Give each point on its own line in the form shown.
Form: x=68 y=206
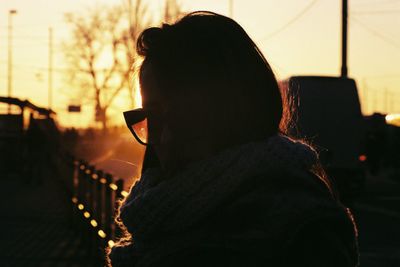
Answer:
x=10 y=13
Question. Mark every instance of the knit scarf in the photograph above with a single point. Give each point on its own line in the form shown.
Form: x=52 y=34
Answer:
x=156 y=206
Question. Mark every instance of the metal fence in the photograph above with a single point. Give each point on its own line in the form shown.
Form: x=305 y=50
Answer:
x=94 y=197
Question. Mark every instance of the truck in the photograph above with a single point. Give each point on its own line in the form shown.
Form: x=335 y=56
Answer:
x=325 y=112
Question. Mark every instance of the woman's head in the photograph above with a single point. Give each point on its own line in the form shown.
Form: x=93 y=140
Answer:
x=208 y=87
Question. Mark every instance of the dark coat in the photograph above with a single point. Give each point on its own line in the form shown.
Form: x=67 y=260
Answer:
x=284 y=221
x=254 y=205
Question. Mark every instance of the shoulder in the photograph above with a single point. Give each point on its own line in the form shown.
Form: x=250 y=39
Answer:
x=281 y=194
x=280 y=220
x=318 y=244
x=289 y=211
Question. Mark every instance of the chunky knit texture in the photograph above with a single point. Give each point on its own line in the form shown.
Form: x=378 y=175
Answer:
x=164 y=216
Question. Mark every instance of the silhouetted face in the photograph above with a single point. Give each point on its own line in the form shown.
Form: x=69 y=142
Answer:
x=176 y=123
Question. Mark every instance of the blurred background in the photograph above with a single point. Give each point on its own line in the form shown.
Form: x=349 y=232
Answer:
x=67 y=72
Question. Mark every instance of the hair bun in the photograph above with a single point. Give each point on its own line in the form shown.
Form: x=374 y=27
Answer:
x=149 y=40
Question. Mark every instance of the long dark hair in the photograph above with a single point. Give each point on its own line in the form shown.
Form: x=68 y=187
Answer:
x=213 y=53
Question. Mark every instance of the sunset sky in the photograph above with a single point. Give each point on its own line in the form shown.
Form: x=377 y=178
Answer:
x=298 y=37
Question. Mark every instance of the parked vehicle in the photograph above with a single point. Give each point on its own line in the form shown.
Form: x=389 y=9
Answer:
x=326 y=113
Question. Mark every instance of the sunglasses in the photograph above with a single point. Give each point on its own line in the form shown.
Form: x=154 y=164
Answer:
x=136 y=120
x=142 y=121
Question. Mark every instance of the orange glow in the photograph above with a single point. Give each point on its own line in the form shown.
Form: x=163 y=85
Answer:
x=86 y=214
x=103 y=180
x=362 y=158
x=94 y=176
x=138 y=96
x=136 y=84
x=288 y=50
x=103 y=157
x=74 y=200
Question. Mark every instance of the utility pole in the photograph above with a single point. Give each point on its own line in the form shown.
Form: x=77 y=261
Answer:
x=50 y=74
x=344 y=38
x=166 y=11
x=365 y=96
x=10 y=28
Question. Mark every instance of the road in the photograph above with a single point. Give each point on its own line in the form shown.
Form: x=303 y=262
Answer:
x=119 y=155
x=378 y=217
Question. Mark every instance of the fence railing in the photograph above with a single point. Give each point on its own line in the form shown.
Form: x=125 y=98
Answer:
x=95 y=195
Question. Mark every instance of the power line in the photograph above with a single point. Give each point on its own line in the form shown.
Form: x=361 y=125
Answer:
x=384 y=76
x=376 y=33
x=377 y=12
x=378 y=2
x=37 y=45
x=36 y=25
x=42 y=68
x=290 y=22
x=29 y=37
x=37 y=68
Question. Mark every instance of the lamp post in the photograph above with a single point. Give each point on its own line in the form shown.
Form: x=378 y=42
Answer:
x=10 y=14
x=50 y=70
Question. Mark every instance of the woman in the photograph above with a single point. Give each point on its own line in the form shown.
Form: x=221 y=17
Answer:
x=226 y=186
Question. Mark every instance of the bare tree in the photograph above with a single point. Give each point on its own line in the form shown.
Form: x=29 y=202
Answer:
x=94 y=57
x=102 y=50
x=136 y=13
x=172 y=11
